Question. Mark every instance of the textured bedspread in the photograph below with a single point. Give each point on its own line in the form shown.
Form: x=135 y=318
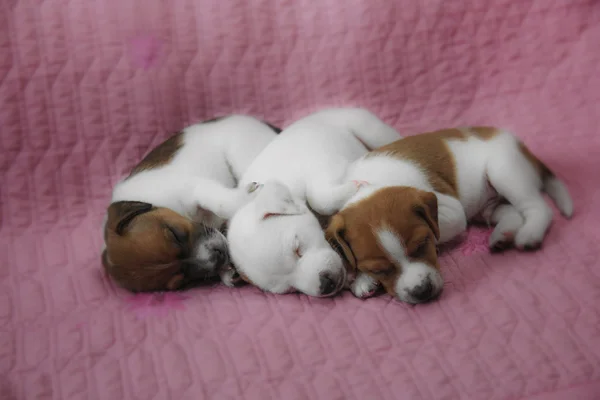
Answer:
x=88 y=87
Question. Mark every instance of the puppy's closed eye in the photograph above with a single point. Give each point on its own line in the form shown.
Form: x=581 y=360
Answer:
x=421 y=249
x=179 y=236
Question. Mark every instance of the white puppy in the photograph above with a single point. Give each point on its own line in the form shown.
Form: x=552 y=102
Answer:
x=275 y=241
x=156 y=236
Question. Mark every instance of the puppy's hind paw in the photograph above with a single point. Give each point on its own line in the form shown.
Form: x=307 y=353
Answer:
x=529 y=239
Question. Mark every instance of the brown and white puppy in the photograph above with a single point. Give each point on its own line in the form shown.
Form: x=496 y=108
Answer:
x=157 y=237
x=423 y=190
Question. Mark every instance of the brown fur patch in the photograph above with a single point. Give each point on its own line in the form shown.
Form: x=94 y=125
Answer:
x=430 y=152
x=410 y=213
x=160 y=155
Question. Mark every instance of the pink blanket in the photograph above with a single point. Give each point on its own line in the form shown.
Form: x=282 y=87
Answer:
x=88 y=87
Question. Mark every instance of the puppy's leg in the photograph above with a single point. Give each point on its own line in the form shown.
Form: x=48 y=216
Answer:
x=515 y=179
x=508 y=221
x=328 y=193
x=221 y=200
x=452 y=220
x=328 y=198
x=364 y=286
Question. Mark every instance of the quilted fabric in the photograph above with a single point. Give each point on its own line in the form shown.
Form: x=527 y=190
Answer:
x=88 y=87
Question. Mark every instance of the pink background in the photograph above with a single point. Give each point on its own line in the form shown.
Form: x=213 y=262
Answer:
x=88 y=87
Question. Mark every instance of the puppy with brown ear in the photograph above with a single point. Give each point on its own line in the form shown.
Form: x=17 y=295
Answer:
x=423 y=190
x=156 y=235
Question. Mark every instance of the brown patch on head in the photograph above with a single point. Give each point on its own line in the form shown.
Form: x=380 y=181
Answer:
x=145 y=246
x=411 y=214
x=160 y=155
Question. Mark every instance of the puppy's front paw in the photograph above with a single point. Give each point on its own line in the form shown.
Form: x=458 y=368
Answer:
x=231 y=278
x=364 y=286
x=529 y=238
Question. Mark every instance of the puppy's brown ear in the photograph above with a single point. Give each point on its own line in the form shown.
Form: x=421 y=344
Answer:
x=335 y=236
x=121 y=213
x=428 y=210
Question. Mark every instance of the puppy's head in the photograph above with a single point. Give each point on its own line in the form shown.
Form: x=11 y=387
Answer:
x=277 y=244
x=154 y=248
x=391 y=236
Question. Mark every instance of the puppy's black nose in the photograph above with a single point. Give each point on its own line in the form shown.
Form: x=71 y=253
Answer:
x=424 y=291
x=327 y=285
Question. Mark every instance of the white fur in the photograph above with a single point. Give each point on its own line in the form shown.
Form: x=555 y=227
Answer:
x=219 y=151
x=304 y=164
x=413 y=273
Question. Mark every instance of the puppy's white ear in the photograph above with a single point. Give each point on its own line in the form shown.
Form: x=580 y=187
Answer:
x=275 y=199
x=274 y=207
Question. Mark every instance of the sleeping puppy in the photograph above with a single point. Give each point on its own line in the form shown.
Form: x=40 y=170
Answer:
x=423 y=190
x=275 y=240
x=156 y=235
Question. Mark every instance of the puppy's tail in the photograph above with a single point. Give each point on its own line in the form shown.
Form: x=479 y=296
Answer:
x=551 y=185
x=557 y=191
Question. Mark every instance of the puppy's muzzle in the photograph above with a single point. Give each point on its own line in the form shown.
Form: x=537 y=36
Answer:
x=425 y=292
x=330 y=284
